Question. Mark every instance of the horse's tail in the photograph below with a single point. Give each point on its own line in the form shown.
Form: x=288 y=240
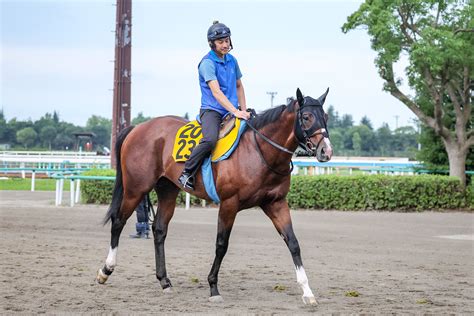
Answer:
x=117 y=195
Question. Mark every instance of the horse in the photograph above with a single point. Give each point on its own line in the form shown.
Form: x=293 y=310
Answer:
x=257 y=174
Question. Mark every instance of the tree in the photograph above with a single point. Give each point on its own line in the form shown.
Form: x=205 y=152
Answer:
x=3 y=126
x=333 y=118
x=101 y=127
x=140 y=119
x=47 y=135
x=436 y=35
x=55 y=117
x=347 y=121
x=26 y=136
x=384 y=139
x=365 y=135
x=356 y=143
x=366 y=121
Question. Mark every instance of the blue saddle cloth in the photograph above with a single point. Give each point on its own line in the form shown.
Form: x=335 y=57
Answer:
x=206 y=168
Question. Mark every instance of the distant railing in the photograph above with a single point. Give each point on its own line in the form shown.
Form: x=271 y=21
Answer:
x=54 y=159
x=47 y=153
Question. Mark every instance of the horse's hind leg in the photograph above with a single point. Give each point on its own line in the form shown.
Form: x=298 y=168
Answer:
x=167 y=193
x=279 y=213
x=129 y=203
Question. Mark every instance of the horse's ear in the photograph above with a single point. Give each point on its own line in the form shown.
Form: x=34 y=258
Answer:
x=299 y=97
x=322 y=98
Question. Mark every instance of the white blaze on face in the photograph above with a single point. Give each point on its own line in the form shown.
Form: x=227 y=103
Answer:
x=111 y=260
x=328 y=146
x=302 y=280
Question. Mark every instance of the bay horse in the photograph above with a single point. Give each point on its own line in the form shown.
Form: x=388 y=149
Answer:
x=257 y=174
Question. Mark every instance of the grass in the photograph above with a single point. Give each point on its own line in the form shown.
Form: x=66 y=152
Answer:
x=19 y=184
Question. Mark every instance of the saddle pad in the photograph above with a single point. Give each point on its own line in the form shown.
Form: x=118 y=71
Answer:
x=188 y=137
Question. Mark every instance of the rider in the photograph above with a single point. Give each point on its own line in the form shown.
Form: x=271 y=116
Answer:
x=222 y=92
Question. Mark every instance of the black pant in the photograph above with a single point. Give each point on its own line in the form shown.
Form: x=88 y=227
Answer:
x=210 y=123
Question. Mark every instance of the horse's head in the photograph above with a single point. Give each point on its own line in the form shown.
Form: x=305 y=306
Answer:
x=311 y=126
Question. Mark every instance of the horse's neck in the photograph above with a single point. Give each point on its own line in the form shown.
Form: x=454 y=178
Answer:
x=281 y=132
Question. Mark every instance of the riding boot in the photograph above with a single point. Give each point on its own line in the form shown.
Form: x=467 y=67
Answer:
x=187 y=180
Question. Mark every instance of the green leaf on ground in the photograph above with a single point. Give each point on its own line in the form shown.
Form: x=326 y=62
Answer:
x=352 y=294
x=279 y=288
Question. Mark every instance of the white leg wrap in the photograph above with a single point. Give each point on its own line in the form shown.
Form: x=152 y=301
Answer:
x=302 y=280
x=111 y=260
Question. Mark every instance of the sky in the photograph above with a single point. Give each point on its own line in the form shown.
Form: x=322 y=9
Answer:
x=57 y=55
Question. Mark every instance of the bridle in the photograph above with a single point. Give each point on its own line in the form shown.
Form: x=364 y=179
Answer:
x=302 y=135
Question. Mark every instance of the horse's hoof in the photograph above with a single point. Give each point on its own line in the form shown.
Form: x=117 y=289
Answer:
x=168 y=290
x=216 y=299
x=101 y=277
x=309 y=300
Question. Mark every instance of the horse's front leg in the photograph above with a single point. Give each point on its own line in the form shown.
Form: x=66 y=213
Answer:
x=279 y=213
x=227 y=213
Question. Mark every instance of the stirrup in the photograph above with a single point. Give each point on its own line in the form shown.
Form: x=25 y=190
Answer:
x=187 y=181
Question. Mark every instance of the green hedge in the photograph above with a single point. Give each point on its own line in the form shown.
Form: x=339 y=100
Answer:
x=377 y=192
x=100 y=191
x=470 y=195
x=97 y=191
x=362 y=192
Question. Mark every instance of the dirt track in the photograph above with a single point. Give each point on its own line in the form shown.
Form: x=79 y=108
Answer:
x=395 y=261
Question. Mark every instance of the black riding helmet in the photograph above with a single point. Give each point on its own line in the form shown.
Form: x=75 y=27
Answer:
x=218 y=31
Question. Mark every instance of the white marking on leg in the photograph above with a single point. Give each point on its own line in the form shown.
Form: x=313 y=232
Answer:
x=302 y=280
x=111 y=260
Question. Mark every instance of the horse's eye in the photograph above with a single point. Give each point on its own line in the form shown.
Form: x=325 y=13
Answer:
x=305 y=117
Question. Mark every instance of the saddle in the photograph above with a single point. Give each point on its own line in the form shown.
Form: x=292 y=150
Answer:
x=188 y=137
x=227 y=124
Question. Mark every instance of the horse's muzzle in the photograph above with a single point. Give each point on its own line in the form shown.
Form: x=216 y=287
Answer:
x=324 y=151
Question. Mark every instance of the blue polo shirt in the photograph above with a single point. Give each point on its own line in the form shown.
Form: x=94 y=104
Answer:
x=226 y=71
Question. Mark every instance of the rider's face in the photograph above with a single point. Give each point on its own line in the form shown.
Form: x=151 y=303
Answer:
x=222 y=46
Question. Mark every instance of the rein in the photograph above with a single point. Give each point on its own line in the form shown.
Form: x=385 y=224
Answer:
x=268 y=140
x=255 y=133
x=306 y=143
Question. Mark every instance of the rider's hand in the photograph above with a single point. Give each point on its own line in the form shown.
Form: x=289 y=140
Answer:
x=242 y=114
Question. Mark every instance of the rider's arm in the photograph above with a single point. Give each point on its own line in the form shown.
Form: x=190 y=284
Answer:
x=222 y=99
x=241 y=95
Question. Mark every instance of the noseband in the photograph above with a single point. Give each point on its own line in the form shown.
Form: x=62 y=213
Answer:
x=304 y=141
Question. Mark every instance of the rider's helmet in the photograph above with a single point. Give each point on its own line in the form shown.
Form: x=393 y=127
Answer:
x=217 y=31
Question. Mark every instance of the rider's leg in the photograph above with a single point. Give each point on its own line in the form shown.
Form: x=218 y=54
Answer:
x=210 y=123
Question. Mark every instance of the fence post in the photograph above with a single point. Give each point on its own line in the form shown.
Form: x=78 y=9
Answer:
x=33 y=180
x=22 y=165
x=71 y=191
x=57 y=192
x=61 y=187
x=78 y=190
x=188 y=200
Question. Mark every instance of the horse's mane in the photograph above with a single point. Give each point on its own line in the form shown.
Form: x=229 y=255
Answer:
x=271 y=115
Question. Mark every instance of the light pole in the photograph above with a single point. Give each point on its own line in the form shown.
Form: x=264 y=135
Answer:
x=272 y=96
x=122 y=72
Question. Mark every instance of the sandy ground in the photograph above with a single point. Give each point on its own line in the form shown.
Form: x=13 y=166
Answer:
x=395 y=261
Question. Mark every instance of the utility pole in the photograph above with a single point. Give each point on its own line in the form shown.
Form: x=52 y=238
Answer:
x=272 y=96
x=122 y=72
x=396 y=121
